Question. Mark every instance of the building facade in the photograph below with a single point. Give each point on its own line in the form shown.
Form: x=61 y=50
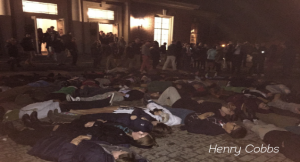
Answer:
x=160 y=20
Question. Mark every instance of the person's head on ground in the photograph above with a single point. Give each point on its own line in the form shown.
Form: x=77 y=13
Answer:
x=143 y=139
x=160 y=130
x=234 y=130
x=123 y=156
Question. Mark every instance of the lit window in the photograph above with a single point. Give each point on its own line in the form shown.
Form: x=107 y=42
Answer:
x=161 y=30
x=101 y=14
x=39 y=7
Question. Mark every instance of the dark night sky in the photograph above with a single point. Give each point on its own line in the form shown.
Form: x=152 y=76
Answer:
x=254 y=20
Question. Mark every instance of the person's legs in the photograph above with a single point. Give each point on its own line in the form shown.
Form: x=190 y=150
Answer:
x=79 y=105
x=170 y=93
x=173 y=59
x=74 y=57
x=260 y=128
x=166 y=63
x=293 y=107
x=117 y=97
x=110 y=109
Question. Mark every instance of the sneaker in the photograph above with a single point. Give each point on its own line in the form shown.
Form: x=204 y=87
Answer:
x=111 y=98
x=70 y=98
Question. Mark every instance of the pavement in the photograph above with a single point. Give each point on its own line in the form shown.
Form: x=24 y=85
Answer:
x=181 y=146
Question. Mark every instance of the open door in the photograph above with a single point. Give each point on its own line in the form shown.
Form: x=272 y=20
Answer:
x=44 y=24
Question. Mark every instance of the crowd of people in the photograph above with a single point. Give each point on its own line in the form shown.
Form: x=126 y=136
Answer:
x=110 y=52
x=58 y=46
x=104 y=129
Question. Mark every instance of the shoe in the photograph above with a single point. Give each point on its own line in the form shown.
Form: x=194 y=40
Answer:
x=26 y=120
x=34 y=118
x=262 y=75
x=70 y=98
x=2 y=113
x=50 y=114
x=55 y=111
x=111 y=99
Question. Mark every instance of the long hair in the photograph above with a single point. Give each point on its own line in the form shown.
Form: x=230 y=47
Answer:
x=161 y=130
x=127 y=157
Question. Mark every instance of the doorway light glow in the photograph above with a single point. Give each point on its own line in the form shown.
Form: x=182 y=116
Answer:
x=39 y=7
x=101 y=14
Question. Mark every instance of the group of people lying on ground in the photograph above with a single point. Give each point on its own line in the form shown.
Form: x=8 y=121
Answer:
x=105 y=132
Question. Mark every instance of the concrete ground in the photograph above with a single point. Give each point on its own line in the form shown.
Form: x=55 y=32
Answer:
x=181 y=146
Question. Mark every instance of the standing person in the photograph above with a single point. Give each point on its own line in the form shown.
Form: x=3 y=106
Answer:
x=121 y=46
x=13 y=52
x=218 y=59
x=196 y=55
x=28 y=47
x=59 y=49
x=136 y=48
x=146 y=57
x=237 y=59
x=129 y=55
x=113 y=56
x=211 y=54
x=48 y=41
x=54 y=39
x=155 y=54
x=74 y=51
x=96 y=51
x=187 y=56
x=163 y=51
x=246 y=50
x=228 y=55
x=40 y=39
x=258 y=60
x=287 y=58
x=178 y=54
x=171 y=56
x=202 y=55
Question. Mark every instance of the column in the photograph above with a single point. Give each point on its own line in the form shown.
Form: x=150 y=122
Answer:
x=77 y=23
x=5 y=28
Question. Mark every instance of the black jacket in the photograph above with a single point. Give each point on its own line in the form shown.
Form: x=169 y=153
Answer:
x=59 y=148
x=27 y=44
x=136 y=125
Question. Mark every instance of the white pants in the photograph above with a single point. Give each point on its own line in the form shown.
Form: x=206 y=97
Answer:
x=170 y=93
x=41 y=108
x=172 y=60
x=261 y=128
x=117 y=97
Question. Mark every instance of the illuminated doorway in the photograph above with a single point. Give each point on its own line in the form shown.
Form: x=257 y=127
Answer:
x=44 y=24
x=106 y=28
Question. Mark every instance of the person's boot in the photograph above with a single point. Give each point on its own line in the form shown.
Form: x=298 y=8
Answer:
x=36 y=122
x=27 y=122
